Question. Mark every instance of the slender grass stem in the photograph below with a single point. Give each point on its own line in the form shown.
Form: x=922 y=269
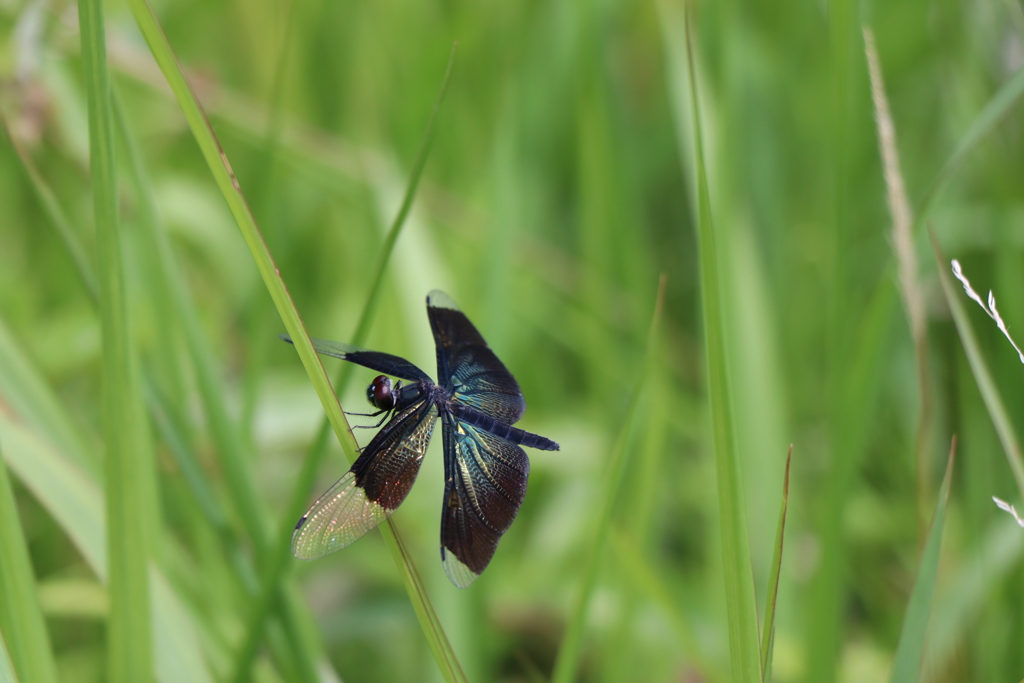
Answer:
x=128 y=483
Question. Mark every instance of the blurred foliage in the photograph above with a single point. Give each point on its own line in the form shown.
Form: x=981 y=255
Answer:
x=558 y=189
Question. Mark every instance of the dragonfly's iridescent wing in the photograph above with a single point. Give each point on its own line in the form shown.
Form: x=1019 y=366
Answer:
x=369 y=492
x=375 y=360
x=467 y=367
x=485 y=482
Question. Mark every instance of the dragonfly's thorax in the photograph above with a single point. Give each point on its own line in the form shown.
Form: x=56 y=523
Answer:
x=408 y=394
x=440 y=397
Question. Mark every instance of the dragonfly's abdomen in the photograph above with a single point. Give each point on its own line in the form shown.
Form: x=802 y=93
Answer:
x=500 y=429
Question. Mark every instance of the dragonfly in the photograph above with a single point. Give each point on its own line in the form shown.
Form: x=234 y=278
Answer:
x=477 y=401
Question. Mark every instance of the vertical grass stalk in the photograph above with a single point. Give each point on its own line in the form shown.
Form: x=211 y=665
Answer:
x=21 y=619
x=220 y=168
x=906 y=261
x=129 y=639
x=739 y=581
x=281 y=550
x=567 y=661
x=910 y=649
x=768 y=630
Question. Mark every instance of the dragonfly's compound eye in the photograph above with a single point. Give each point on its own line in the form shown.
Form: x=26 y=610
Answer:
x=379 y=393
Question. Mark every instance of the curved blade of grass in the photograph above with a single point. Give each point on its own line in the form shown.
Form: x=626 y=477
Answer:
x=648 y=579
x=910 y=649
x=75 y=501
x=768 y=630
x=52 y=207
x=169 y=284
x=994 y=112
x=128 y=484
x=739 y=580
x=219 y=166
x=266 y=200
x=7 y=674
x=906 y=261
x=982 y=376
x=958 y=611
x=36 y=403
x=567 y=661
x=281 y=551
x=21 y=619
x=229 y=447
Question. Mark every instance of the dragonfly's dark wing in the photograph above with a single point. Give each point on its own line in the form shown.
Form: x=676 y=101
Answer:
x=377 y=484
x=485 y=482
x=467 y=367
x=375 y=360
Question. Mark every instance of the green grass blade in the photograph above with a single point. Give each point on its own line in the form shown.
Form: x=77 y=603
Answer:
x=128 y=483
x=645 y=576
x=982 y=376
x=75 y=501
x=21 y=619
x=229 y=446
x=910 y=650
x=739 y=581
x=168 y=284
x=994 y=112
x=567 y=661
x=53 y=210
x=906 y=261
x=36 y=403
x=962 y=603
x=266 y=203
x=768 y=630
x=7 y=674
x=220 y=168
x=281 y=552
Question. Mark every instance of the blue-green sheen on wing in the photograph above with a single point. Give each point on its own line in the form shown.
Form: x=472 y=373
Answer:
x=485 y=483
x=466 y=365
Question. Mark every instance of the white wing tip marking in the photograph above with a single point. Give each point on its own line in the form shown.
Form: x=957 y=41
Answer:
x=459 y=574
x=438 y=299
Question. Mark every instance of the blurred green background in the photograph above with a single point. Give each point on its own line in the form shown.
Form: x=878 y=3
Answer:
x=557 y=191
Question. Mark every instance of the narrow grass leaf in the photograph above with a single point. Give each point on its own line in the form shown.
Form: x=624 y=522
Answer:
x=21 y=619
x=220 y=168
x=168 y=284
x=7 y=674
x=567 y=661
x=997 y=108
x=645 y=576
x=281 y=551
x=906 y=261
x=982 y=376
x=34 y=400
x=229 y=447
x=910 y=649
x=127 y=481
x=739 y=581
x=963 y=603
x=75 y=501
x=56 y=215
x=26 y=390
x=768 y=630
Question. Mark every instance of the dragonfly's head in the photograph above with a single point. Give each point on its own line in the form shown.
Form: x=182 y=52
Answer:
x=381 y=395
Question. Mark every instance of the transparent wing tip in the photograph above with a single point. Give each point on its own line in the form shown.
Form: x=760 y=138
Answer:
x=438 y=299
x=459 y=574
